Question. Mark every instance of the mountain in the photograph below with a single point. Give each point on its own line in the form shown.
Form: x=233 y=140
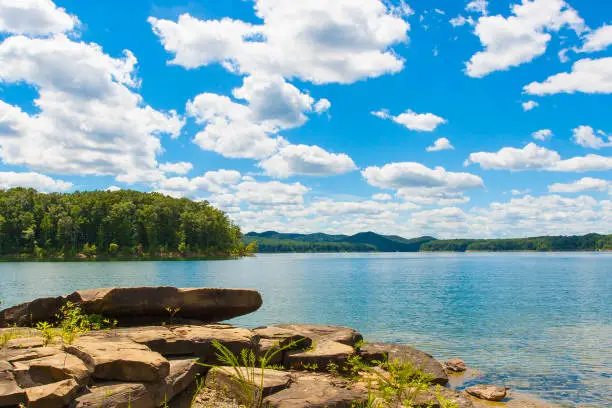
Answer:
x=272 y=241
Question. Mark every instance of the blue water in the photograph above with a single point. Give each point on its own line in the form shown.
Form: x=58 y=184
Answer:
x=536 y=322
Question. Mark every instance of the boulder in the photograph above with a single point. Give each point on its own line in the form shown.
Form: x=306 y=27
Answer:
x=10 y=392
x=245 y=386
x=407 y=354
x=183 y=372
x=116 y=358
x=487 y=392
x=319 y=356
x=344 y=335
x=142 y=305
x=455 y=365
x=54 y=395
x=315 y=390
x=275 y=342
x=50 y=369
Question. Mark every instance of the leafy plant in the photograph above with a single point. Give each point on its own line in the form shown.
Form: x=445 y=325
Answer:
x=172 y=311
x=47 y=332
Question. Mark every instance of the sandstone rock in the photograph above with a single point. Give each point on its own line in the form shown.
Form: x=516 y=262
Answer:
x=456 y=365
x=10 y=392
x=202 y=337
x=433 y=398
x=419 y=359
x=16 y=355
x=116 y=395
x=119 y=359
x=344 y=335
x=227 y=379
x=54 y=395
x=50 y=369
x=273 y=339
x=487 y=392
x=319 y=356
x=141 y=305
x=183 y=372
x=314 y=390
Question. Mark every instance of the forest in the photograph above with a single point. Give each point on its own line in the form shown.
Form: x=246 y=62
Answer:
x=123 y=223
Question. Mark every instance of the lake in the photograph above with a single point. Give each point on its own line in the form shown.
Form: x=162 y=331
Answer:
x=539 y=322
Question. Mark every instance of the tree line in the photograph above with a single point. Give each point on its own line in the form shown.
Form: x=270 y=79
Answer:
x=120 y=223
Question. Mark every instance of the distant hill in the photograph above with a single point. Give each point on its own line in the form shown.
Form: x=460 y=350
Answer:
x=272 y=241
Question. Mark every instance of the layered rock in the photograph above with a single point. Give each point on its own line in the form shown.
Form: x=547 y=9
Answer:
x=142 y=305
x=487 y=392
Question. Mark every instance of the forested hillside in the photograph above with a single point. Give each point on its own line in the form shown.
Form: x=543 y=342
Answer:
x=121 y=223
x=590 y=242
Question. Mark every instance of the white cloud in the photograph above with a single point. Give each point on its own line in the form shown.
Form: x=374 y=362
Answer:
x=40 y=182
x=563 y=55
x=587 y=137
x=521 y=37
x=306 y=160
x=176 y=168
x=460 y=21
x=410 y=174
x=251 y=130
x=34 y=17
x=270 y=193
x=584 y=184
x=211 y=182
x=534 y=157
x=440 y=11
x=588 y=75
x=421 y=122
x=89 y=119
x=520 y=192
x=440 y=144
x=477 y=6
x=382 y=197
x=598 y=40
x=113 y=188
x=542 y=134
x=315 y=41
x=529 y=105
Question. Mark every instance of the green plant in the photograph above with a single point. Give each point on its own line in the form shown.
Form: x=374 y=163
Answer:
x=248 y=370
x=47 y=332
x=113 y=248
x=172 y=311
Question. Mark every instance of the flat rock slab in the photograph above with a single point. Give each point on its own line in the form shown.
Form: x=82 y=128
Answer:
x=487 y=392
x=50 y=369
x=229 y=379
x=314 y=390
x=339 y=334
x=407 y=354
x=141 y=305
x=435 y=398
x=55 y=395
x=119 y=359
x=320 y=356
x=10 y=392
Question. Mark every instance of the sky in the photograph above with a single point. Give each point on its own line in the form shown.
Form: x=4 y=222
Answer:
x=448 y=118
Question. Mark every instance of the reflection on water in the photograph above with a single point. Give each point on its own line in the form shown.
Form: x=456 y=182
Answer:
x=535 y=322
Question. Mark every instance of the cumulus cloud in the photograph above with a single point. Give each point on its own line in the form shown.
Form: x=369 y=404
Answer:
x=89 y=119
x=40 y=182
x=584 y=184
x=542 y=134
x=34 y=17
x=382 y=197
x=176 y=168
x=586 y=136
x=477 y=6
x=310 y=40
x=521 y=37
x=210 y=182
x=420 y=122
x=250 y=130
x=306 y=160
x=460 y=21
x=534 y=157
x=598 y=40
x=270 y=193
x=529 y=105
x=440 y=144
x=590 y=76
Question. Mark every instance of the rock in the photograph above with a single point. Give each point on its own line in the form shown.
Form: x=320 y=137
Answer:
x=54 y=395
x=431 y=398
x=228 y=379
x=319 y=356
x=142 y=305
x=10 y=392
x=487 y=392
x=273 y=339
x=315 y=390
x=402 y=354
x=16 y=355
x=183 y=372
x=116 y=395
x=50 y=369
x=344 y=335
x=119 y=359
x=456 y=365
x=458 y=380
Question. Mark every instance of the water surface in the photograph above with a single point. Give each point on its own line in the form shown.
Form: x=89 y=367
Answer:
x=536 y=322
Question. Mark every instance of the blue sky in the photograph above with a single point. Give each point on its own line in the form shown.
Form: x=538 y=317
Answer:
x=450 y=118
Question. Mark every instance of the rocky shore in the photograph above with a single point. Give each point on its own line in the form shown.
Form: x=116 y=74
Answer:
x=174 y=363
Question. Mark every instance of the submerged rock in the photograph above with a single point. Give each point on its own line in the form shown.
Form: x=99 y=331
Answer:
x=487 y=392
x=142 y=305
x=455 y=365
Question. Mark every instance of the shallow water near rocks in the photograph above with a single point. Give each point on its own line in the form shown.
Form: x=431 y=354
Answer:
x=540 y=323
